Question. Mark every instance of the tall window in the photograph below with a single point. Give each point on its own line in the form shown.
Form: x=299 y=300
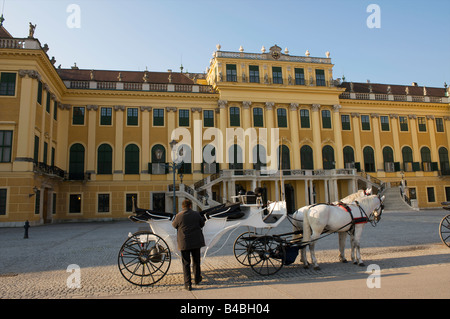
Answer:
x=299 y=76
x=254 y=74
x=349 y=157
x=39 y=92
x=284 y=158
x=365 y=122
x=345 y=120
x=403 y=123
x=44 y=160
x=5 y=146
x=129 y=201
x=132 y=159
x=306 y=157
x=158 y=117
x=304 y=118
x=388 y=159
x=158 y=166
x=55 y=110
x=75 y=203
x=407 y=155
x=384 y=120
x=369 y=159
x=103 y=203
x=186 y=156
x=106 y=116
x=430 y=195
x=235 y=158
x=439 y=124
x=78 y=115
x=282 y=117
x=258 y=119
x=320 y=77
x=443 y=161
x=326 y=119
x=183 y=117
x=36 y=149
x=3 y=197
x=235 y=118
x=132 y=116
x=8 y=84
x=425 y=154
x=104 y=159
x=422 y=123
x=76 y=162
x=208 y=118
x=49 y=101
x=277 y=75
x=231 y=73
x=328 y=157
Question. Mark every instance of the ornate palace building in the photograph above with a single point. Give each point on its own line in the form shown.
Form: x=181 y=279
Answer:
x=79 y=144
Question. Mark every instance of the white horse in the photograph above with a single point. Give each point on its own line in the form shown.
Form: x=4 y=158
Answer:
x=297 y=222
x=336 y=219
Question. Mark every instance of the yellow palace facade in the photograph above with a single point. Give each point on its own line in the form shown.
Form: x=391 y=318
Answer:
x=79 y=144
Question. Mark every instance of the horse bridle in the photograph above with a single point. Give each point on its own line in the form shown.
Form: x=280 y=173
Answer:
x=373 y=218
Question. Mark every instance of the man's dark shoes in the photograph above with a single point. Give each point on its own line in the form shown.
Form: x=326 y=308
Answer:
x=188 y=287
x=197 y=281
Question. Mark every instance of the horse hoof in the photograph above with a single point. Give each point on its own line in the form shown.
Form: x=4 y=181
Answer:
x=344 y=261
x=316 y=268
x=361 y=265
x=305 y=266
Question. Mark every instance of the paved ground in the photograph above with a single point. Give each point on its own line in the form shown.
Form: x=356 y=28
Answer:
x=405 y=245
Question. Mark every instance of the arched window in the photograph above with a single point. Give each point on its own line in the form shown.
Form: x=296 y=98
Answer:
x=388 y=159
x=407 y=155
x=306 y=157
x=328 y=157
x=132 y=159
x=235 y=159
x=349 y=157
x=76 y=162
x=259 y=157
x=184 y=156
x=209 y=165
x=425 y=155
x=158 y=165
x=283 y=153
x=104 y=159
x=369 y=159
x=443 y=160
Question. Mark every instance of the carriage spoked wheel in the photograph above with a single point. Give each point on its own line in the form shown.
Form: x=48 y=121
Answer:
x=444 y=230
x=144 y=258
x=268 y=255
x=243 y=249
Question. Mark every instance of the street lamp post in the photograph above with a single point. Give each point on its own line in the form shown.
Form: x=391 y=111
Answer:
x=174 y=166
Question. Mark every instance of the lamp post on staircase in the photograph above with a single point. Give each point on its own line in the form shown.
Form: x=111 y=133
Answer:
x=174 y=166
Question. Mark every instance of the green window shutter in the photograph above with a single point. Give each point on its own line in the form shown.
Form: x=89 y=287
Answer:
x=320 y=77
x=158 y=117
x=258 y=120
x=282 y=117
x=326 y=119
x=397 y=166
x=183 y=117
x=78 y=116
x=8 y=84
x=39 y=93
x=208 y=118
x=104 y=159
x=105 y=116
x=304 y=118
x=416 y=166
x=132 y=159
x=132 y=116
x=235 y=119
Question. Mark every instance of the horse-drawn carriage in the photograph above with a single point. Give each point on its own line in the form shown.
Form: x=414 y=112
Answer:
x=444 y=226
x=145 y=257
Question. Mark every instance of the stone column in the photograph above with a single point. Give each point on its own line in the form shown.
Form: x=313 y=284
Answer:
x=317 y=147
x=91 y=149
x=145 y=152
x=293 y=121
x=338 y=136
x=118 y=147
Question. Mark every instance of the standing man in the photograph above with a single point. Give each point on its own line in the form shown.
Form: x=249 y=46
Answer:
x=190 y=239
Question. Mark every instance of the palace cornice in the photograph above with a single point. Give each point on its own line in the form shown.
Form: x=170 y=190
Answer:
x=345 y=102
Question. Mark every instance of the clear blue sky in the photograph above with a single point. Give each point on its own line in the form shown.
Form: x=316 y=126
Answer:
x=412 y=44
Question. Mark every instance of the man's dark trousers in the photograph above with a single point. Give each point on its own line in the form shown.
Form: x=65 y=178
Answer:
x=186 y=260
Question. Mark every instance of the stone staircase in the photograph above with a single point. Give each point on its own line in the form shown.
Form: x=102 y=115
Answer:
x=394 y=202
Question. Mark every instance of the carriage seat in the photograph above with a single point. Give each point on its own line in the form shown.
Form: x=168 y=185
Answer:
x=229 y=211
x=143 y=215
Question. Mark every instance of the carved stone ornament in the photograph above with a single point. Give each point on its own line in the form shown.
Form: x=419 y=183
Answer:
x=246 y=104
x=33 y=74
x=222 y=104
x=393 y=116
x=336 y=107
x=270 y=105
x=146 y=108
x=293 y=106
x=196 y=109
x=412 y=116
x=119 y=107
x=92 y=107
x=315 y=107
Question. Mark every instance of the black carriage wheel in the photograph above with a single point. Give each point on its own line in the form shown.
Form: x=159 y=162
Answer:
x=444 y=230
x=243 y=250
x=144 y=258
x=270 y=255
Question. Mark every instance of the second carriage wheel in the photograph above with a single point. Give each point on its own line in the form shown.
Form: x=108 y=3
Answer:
x=444 y=230
x=270 y=255
x=144 y=258
x=243 y=249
